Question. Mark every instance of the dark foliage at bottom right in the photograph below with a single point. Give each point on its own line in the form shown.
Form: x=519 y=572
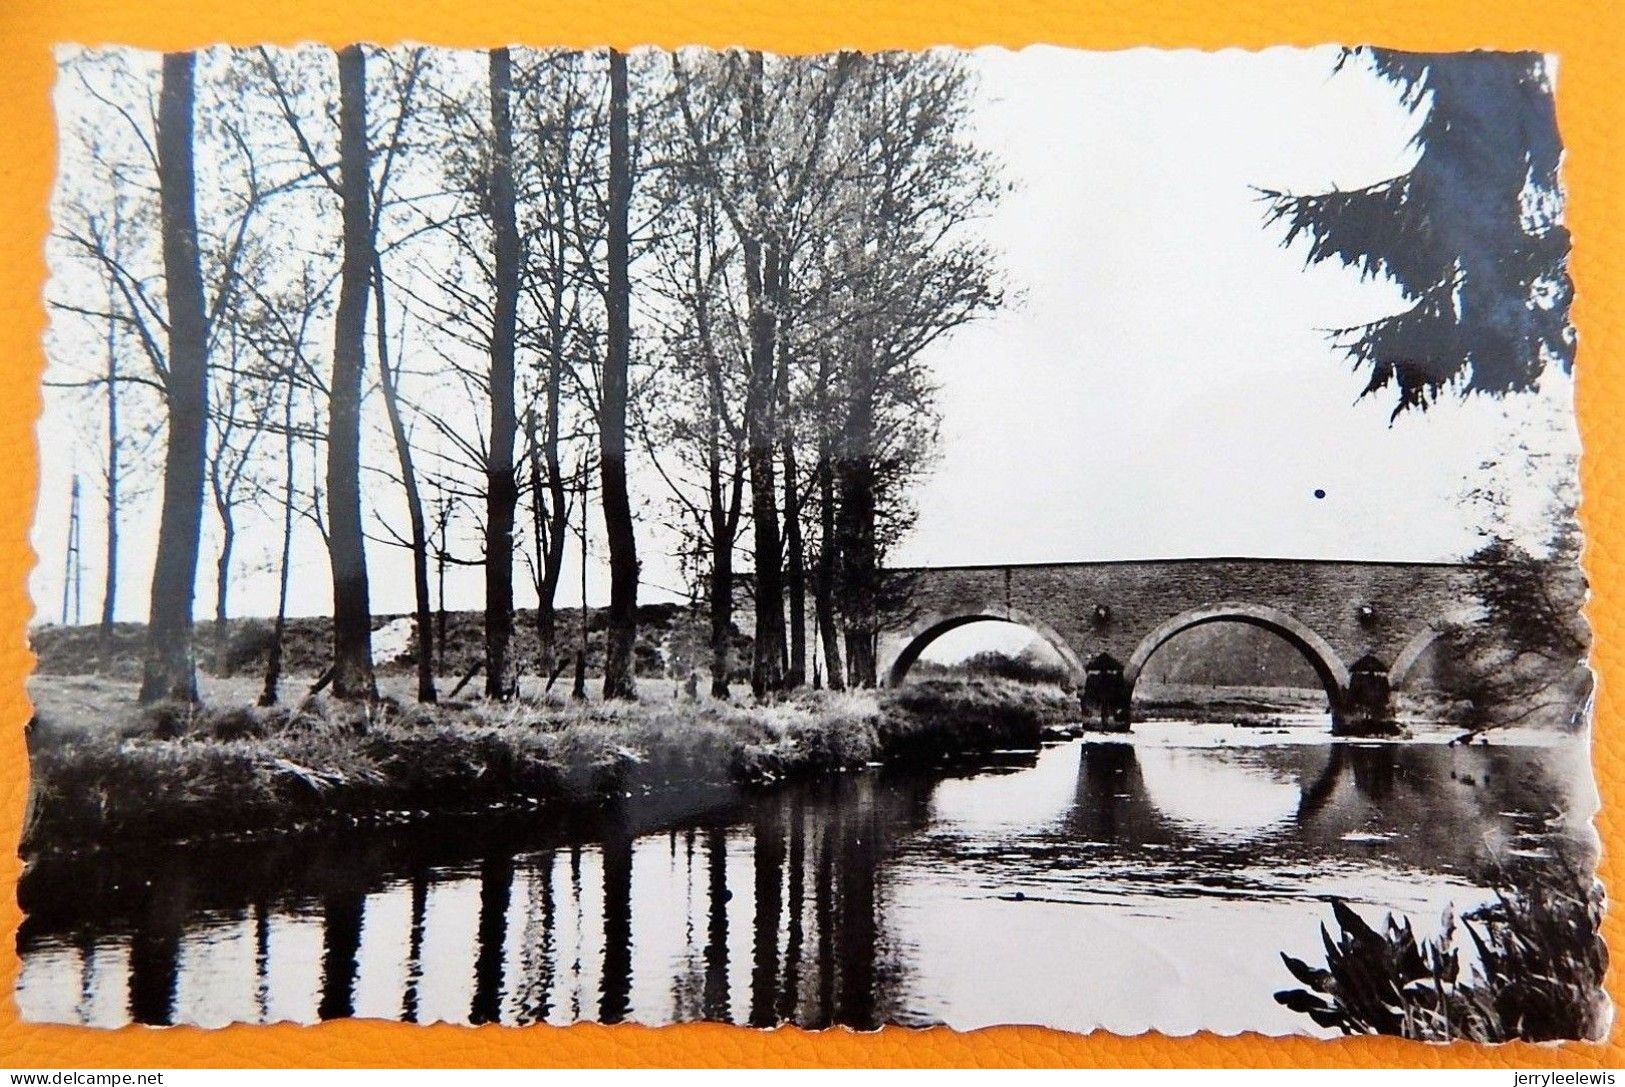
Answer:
x=1531 y=968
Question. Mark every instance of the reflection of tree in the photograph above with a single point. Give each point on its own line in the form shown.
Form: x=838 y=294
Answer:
x=414 y=944
x=789 y=991
x=262 y=958
x=1434 y=807
x=155 y=948
x=856 y=931
x=615 y=1001
x=536 y=1001
x=715 y=1004
x=338 y=875
x=688 y=980
x=342 y=911
x=533 y=988
x=823 y=859
x=823 y=910
x=496 y=887
x=575 y=963
x=769 y=868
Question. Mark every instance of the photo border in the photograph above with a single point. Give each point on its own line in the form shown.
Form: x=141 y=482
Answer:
x=1588 y=40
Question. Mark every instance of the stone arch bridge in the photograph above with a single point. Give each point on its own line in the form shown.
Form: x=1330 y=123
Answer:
x=1360 y=625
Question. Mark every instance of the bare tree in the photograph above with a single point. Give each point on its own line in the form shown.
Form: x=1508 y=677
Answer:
x=115 y=238
x=824 y=565
x=518 y=312
x=242 y=405
x=902 y=276
x=389 y=385
x=350 y=181
x=693 y=429
x=408 y=74
x=273 y=658
x=168 y=670
x=550 y=520
x=502 y=487
x=623 y=557
x=126 y=429
x=352 y=608
x=562 y=130
x=758 y=134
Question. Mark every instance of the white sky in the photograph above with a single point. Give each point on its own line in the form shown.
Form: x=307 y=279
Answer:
x=1162 y=386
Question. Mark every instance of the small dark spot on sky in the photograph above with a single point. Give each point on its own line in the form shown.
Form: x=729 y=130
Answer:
x=1319 y=493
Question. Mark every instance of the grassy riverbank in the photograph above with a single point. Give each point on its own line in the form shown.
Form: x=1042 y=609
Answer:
x=104 y=768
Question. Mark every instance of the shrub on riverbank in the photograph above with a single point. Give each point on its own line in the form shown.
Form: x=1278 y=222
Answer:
x=1537 y=974
x=181 y=771
x=939 y=717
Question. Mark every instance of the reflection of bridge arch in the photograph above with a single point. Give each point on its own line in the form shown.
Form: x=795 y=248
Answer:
x=1423 y=640
x=1328 y=666
x=929 y=628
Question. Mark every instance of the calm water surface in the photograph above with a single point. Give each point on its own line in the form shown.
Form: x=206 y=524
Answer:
x=1137 y=885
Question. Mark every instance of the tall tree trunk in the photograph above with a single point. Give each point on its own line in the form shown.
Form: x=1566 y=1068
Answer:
x=796 y=581
x=724 y=501
x=352 y=608
x=440 y=611
x=578 y=689
x=721 y=592
x=619 y=680
x=824 y=570
x=388 y=383
x=501 y=485
x=546 y=609
x=168 y=670
x=855 y=530
x=767 y=661
x=762 y=276
x=725 y=506
x=279 y=630
x=550 y=523
x=552 y=513
x=222 y=585
x=110 y=583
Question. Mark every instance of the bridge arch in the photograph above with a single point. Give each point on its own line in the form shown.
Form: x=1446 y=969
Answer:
x=1423 y=640
x=1328 y=666
x=929 y=628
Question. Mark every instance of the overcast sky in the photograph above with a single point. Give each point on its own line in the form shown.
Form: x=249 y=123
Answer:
x=1161 y=384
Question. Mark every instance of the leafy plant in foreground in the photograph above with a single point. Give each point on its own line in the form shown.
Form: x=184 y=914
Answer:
x=1534 y=972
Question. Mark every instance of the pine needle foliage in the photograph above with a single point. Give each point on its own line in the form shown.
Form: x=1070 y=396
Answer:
x=1472 y=234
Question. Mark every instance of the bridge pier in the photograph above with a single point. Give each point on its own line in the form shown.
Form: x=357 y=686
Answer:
x=1365 y=706
x=1106 y=693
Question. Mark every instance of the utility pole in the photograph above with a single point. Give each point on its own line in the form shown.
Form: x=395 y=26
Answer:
x=73 y=574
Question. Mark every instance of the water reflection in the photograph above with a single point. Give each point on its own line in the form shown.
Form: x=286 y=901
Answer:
x=1092 y=884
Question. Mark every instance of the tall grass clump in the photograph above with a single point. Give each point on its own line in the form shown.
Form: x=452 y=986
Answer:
x=1531 y=969
x=936 y=717
x=809 y=735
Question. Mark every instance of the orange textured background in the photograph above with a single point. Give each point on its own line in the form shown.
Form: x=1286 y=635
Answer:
x=1591 y=107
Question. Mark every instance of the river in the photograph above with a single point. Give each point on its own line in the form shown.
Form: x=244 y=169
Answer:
x=1146 y=883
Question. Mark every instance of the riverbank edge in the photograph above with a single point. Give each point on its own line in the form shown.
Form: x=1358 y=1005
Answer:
x=180 y=773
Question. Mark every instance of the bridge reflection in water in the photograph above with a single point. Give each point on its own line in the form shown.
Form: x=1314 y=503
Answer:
x=1093 y=884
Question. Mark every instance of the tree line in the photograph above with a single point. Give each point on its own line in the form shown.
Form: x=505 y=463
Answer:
x=440 y=300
